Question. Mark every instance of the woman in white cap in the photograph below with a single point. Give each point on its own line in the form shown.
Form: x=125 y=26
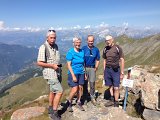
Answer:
x=75 y=62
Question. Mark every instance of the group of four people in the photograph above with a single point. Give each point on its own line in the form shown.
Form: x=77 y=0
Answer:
x=82 y=65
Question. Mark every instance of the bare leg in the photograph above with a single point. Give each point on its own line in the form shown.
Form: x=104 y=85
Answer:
x=72 y=93
x=56 y=100
x=111 y=90
x=51 y=97
x=116 y=93
x=80 y=92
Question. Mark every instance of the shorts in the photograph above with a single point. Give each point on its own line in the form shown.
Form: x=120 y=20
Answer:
x=55 y=86
x=112 y=76
x=80 y=80
x=91 y=74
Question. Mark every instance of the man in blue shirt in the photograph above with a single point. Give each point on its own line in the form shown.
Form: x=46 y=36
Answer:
x=92 y=57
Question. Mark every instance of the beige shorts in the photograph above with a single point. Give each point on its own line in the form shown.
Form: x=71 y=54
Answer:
x=55 y=86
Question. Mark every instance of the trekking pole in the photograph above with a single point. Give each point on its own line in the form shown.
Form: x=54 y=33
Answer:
x=126 y=90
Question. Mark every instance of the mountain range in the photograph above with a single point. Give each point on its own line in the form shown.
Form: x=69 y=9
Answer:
x=15 y=57
x=64 y=37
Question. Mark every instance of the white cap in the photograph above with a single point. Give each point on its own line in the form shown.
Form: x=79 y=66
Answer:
x=108 y=37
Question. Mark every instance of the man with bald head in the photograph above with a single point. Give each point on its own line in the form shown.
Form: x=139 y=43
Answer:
x=49 y=58
x=113 y=68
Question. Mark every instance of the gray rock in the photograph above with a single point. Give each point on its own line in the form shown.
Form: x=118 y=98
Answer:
x=151 y=114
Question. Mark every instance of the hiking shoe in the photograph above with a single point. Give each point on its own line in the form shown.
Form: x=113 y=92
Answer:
x=80 y=106
x=116 y=104
x=54 y=117
x=50 y=110
x=85 y=102
x=93 y=101
x=109 y=103
x=70 y=109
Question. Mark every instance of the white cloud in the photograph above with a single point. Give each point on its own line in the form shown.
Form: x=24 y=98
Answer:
x=87 y=26
x=17 y=29
x=1 y=24
x=147 y=28
x=77 y=27
x=103 y=24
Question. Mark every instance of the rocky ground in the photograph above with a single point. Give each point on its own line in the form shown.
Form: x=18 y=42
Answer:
x=144 y=97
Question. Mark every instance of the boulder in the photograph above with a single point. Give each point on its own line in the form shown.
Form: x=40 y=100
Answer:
x=27 y=113
x=148 y=84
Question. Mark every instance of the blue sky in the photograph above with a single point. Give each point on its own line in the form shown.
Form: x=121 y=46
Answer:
x=69 y=13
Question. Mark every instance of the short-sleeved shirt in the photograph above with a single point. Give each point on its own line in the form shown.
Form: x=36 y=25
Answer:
x=91 y=55
x=54 y=58
x=77 y=61
x=112 y=55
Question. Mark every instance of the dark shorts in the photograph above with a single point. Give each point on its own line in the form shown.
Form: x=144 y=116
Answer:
x=80 y=80
x=112 y=76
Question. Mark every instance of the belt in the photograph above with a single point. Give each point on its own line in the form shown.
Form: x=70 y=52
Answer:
x=108 y=67
x=90 y=66
x=113 y=67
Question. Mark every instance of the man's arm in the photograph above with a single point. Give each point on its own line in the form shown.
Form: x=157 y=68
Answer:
x=96 y=65
x=104 y=64
x=47 y=65
x=122 y=67
x=71 y=71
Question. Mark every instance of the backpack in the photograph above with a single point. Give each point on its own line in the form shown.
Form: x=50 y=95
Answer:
x=48 y=55
x=117 y=47
x=47 y=52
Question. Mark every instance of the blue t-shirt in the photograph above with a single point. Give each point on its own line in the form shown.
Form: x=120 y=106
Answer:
x=91 y=55
x=77 y=60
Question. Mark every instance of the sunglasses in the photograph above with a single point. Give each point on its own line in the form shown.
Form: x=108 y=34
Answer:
x=91 y=52
x=52 y=37
x=51 y=31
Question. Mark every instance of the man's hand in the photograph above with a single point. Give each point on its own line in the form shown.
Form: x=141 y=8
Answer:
x=54 y=66
x=121 y=76
x=95 y=69
x=85 y=76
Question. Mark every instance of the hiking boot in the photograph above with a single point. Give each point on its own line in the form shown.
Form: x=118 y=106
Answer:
x=93 y=101
x=79 y=105
x=50 y=110
x=109 y=103
x=116 y=104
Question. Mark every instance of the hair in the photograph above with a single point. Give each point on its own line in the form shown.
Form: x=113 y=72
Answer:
x=90 y=36
x=108 y=37
x=50 y=32
x=76 y=38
